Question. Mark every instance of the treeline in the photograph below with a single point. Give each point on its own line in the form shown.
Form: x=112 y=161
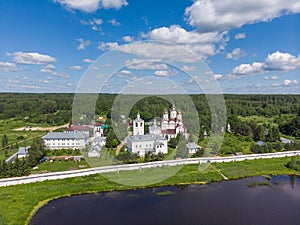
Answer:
x=57 y=108
x=262 y=105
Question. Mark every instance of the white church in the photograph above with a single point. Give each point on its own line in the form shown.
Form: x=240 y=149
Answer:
x=157 y=139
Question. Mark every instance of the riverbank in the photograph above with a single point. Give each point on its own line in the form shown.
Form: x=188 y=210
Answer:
x=18 y=203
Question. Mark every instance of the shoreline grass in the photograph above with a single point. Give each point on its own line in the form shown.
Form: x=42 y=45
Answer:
x=19 y=203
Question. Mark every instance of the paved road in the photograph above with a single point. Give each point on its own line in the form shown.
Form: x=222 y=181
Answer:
x=117 y=168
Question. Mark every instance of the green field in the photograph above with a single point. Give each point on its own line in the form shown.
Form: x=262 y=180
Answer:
x=21 y=138
x=62 y=165
x=17 y=203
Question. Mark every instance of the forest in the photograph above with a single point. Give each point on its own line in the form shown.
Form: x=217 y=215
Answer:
x=56 y=109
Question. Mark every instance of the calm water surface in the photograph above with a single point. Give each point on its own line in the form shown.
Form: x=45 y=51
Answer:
x=226 y=202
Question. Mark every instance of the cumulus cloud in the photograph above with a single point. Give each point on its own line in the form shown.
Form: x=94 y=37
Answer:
x=236 y=54
x=127 y=38
x=216 y=15
x=282 y=61
x=188 y=68
x=90 y=6
x=166 y=39
x=271 y=77
x=94 y=23
x=32 y=58
x=116 y=4
x=289 y=82
x=87 y=60
x=114 y=22
x=178 y=35
x=161 y=73
x=54 y=73
x=277 y=61
x=75 y=67
x=8 y=67
x=104 y=46
x=49 y=66
x=240 y=36
x=125 y=72
x=140 y=64
x=216 y=77
x=158 y=51
x=82 y=43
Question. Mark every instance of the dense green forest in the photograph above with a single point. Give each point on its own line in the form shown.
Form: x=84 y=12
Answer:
x=56 y=109
x=58 y=106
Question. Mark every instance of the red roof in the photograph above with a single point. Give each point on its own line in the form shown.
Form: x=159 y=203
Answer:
x=97 y=124
x=169 y=131
x=78 y=128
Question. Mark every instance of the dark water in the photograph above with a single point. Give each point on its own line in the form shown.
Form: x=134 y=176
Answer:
x=227 y=202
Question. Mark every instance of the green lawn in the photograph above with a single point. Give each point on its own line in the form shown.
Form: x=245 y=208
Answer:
x=17 y=202
x=62 y=165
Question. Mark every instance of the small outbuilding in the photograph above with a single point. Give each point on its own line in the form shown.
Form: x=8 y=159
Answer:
x=193 y=147
x=23 y=152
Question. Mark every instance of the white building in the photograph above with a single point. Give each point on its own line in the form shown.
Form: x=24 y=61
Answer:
x=172 y=125
x=23 y=152
x=94 y=151
x=141 y=144
x=138 y=125
x=98 y=130
x=154 y=129
x=65 y=140
x=193 y=147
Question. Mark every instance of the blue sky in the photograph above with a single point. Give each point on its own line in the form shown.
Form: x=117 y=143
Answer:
x=249 y=46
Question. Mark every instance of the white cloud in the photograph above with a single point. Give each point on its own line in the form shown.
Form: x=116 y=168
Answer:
x=216 y=15
x=289 y=82
x=140 y=64
x=158 y=51
x=205 y=44
x=125 y=72
x=240 y=36
x=94 y=23
x=282 y=61
x=178 y=35
x=127 y=38
x=216 y=77
x=49 y=66
x=276 y=61
x=161 y=73
x=97 y=21
x=87 y=60
x=54 y=73
x=236 y=54
x=175 y=43
x=32 y=58
x=90 y=6
x=271 y=77
x=59 y=74
x=188 y=68
x=114 y=22
x=75 y=67
x=82 y=43
x=116 y=4
x=44 y=70
x=8 y=67
x=104 y=46
x=248 y=69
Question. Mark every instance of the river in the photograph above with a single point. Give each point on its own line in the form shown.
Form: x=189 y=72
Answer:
x=255 y=200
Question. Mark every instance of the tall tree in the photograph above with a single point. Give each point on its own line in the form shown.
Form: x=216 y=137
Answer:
x=4 y=141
